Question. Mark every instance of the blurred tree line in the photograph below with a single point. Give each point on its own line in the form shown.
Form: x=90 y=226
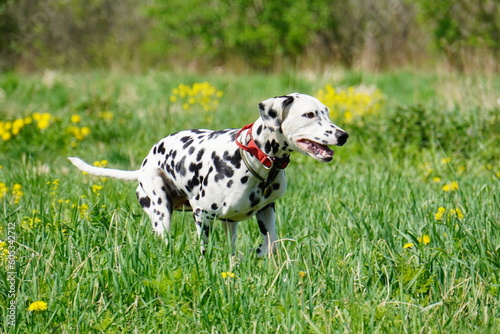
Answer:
x=256 y=34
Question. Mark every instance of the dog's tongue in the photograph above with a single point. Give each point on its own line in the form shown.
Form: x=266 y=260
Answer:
x=319 y=150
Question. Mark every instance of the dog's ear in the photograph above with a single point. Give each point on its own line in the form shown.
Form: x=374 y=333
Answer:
x=273 y=111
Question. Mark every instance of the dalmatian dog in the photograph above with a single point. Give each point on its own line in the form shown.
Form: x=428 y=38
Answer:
x=230 y=174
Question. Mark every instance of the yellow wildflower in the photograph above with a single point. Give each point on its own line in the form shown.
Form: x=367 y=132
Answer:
x=202 y=94
x=106 y=115
x=75 y=118
x=351 y=103
x=4 y=251
x=452 y=186
x=38 y=306
x=17 y=125
x=3 y=189
x=436 y=179
x=42 y=120
x=408 y=245
x=302 y=274
x=227 y=274
x=85 y=131
x=102 y=163
x=6 y=136
x=445 y=161
x=96 y=188
x=440 y=213
x=83 y=208
x=425 y=239
x=79 y=133
x=457 y=213
x=17 y=192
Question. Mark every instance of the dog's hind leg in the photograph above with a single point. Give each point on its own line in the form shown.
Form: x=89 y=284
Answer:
x=155 y=198
x=203 y=222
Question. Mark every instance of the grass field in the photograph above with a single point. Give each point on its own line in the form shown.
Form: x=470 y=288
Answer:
x=399 y=234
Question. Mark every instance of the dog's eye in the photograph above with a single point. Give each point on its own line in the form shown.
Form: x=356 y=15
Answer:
x=309 y=115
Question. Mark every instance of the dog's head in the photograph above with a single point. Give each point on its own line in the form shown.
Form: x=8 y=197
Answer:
x=304 y=122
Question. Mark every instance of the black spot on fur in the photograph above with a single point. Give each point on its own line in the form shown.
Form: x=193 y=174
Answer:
x=191 y=150
x=229 y=183
x=195 y=168
x=254 y=200
x=187 y=143
x=273 y=113
x=259 y=130
x=210 y=170
x=144 y=162
x=161 y=148
x=180 y=167
x=222 y=168
x=145 y=202
x=288 y=100
x=233 y=135
x=244 y=179
x=234 y=159
x=214 y=206
x=200 y=154
x=267 y=147
x=262 y=227
x=271 y=146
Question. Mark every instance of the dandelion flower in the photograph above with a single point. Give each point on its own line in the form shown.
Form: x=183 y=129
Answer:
x=425 y=239
x=4 y=251
x=452 y=186
x=457 y=213
x=38 y=306
x=408 y=245
x=75 y=118
x=227 y=274
x=96 y=188
x=3 y=189
x=445 y=161
x=6 y=136
x=17 y=192
x=439 y=215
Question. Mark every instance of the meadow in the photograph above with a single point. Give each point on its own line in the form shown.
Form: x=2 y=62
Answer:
x=399 y=233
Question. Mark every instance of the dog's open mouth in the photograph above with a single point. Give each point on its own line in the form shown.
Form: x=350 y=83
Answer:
x=316 y=150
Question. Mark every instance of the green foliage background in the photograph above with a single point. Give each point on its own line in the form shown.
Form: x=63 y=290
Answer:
x=264 y=35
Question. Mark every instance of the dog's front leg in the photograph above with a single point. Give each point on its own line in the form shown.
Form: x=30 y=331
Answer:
x=231 y=232
x=202 y=220
x=266 y=218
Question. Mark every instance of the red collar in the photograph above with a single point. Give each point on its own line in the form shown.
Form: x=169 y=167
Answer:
x=253 y=149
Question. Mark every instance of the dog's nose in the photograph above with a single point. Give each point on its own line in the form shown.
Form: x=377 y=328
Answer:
x=341 y=137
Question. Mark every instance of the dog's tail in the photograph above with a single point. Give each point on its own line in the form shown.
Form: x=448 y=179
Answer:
x=105 y=172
